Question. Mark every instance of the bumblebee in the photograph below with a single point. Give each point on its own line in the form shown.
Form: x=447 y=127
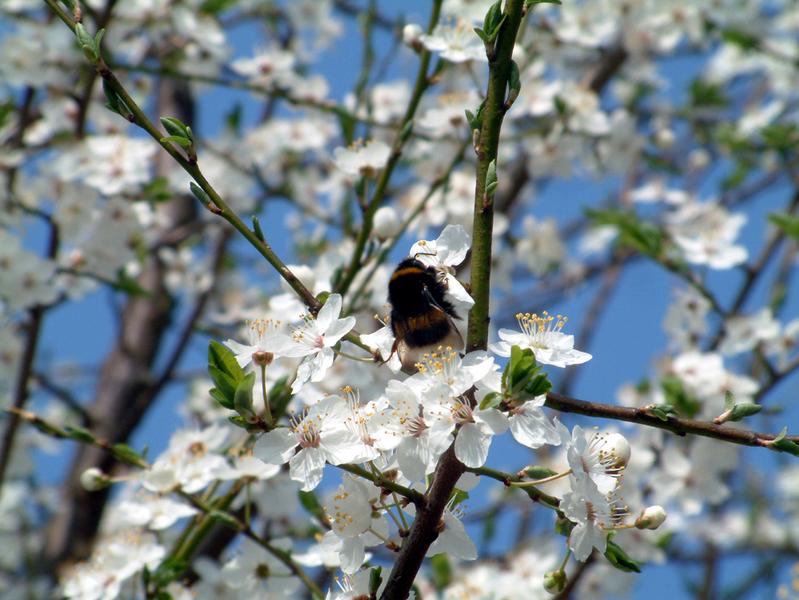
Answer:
x=421 y=317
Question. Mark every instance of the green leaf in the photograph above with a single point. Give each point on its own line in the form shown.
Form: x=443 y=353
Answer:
x=310 y=502
x=279 y=396
x=256 y=228
x=458 y=496
x=225 y=518
x=743 y=167
x=661 y=411
x=168 y=571
x=522 y=378
x=113 y=101
x=184 y=142
x=638 y=235
x=127 y=454
x=678 y=397
x=620 y=559
x=157 y=190
x=491 y=400
x=529 y=3
x=785 y=445
x=225 y=383
x=375 y=579
x=783 y=137
x=127 y=285
x=729 y=400
x=787 y=223
x=491 y=174
x=493 y=17
x=86 y=42
x=214 y=7
x=175 y=127
x=441 y=571
x=242 y=399
x=514 y=82
x=98 y=38
x=482 y=35
x=233 y=118
x=199 y=193
x=706 y=94
x=560 y=105
x=221 y=398
x=79 y=434
x=476 y=119
x=240 y=421
x=743 y=410
x=222 y=357
x=741 y=39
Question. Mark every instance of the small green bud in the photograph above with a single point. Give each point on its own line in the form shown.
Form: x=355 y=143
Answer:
x=554 y=581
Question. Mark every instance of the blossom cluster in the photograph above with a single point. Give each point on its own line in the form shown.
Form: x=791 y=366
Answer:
x=312 y=449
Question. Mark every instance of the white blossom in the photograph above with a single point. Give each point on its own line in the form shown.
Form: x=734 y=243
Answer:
x=543 y=335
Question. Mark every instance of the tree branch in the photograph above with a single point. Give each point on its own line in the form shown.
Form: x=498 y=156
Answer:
x=676 y=425
x=425 y=527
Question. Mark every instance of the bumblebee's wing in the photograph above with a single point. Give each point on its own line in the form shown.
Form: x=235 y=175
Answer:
x=429 y=297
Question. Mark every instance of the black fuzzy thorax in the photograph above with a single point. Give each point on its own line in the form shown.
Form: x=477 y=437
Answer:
x=420 y=314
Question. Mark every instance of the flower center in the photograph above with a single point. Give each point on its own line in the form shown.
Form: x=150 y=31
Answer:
x=441 y=364
x=307 y=431
x=539 y=329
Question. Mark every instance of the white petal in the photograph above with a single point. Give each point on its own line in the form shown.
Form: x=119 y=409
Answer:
x=412 y=457
x=580 y=542
x=329 y=312
x=276 y=447
x=343 y=446
x=352 y=554
x=531 y=428
x=307 y=467
x=500 y=348
x=496 y=421
x=243 y=353
x=471 y=445
x=457 y=291
x=284 y=345
x=338 y=329
x=453 y=245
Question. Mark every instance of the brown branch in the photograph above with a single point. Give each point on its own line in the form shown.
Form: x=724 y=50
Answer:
x=426 y=525
x=126 y=381
x=612 y=60
x=25 y=370
x=676 y=425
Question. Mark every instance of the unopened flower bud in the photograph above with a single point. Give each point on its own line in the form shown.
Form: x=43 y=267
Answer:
x=651 y=517
x=386 y=223
x=665 y=138
x=554 y=581
x=411 y=36
x=93 y=479
x=698 y=159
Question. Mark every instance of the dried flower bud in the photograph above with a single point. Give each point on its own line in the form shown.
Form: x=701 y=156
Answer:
x=261 y=358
